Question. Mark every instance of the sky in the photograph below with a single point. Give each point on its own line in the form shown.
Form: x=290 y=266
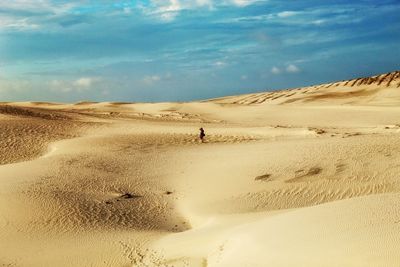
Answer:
x=181 y=50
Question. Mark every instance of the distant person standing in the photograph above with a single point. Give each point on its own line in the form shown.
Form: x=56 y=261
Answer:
x=202 y=135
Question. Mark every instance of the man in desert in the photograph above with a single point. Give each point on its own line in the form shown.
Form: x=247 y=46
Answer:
x=202 y=135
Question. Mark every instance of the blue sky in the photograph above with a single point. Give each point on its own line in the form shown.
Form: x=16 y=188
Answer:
x=177 y=50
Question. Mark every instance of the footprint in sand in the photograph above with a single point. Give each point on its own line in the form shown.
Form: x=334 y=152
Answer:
x=125 y=196
x=304 y=175
x=318 y=131
x=314 y=171
x=340 y=167
x=264 y=178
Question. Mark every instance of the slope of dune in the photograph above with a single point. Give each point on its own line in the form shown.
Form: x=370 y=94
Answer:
x=356 y=232
x=26 y=132
x=301 y=177
x=379 y=90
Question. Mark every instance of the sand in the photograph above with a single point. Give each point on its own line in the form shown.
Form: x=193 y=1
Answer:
x=300 y=177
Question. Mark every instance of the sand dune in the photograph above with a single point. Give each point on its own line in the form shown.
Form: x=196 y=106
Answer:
x=301 y=177
x=380 y=89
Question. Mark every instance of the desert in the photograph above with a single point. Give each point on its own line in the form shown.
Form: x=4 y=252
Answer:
x=299 y=177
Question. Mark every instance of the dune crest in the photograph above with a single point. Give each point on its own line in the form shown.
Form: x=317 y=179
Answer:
x=379 y=89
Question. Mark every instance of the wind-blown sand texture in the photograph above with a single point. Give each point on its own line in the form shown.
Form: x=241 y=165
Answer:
x=302 y=177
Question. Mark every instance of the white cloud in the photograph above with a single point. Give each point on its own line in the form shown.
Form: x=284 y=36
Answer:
x=30 y=5
x=168 y=10
x=286 y=14
x=275 y=70
x=84 y=82
x=168 y=76
x=319 y=21
x=78 y=85
x=38 y=6
x=149 y=80
x=319 y=16
x=30 y=14
x=208 y=3
x=17 y=23
x=56 y=83
x=127 y=10
x=220 y=64
x=60 y=86
x=292 y=68
x=7 y=86
x=243 y=3
x=289 y=69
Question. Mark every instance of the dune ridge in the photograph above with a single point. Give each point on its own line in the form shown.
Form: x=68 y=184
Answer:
x=355 y=91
